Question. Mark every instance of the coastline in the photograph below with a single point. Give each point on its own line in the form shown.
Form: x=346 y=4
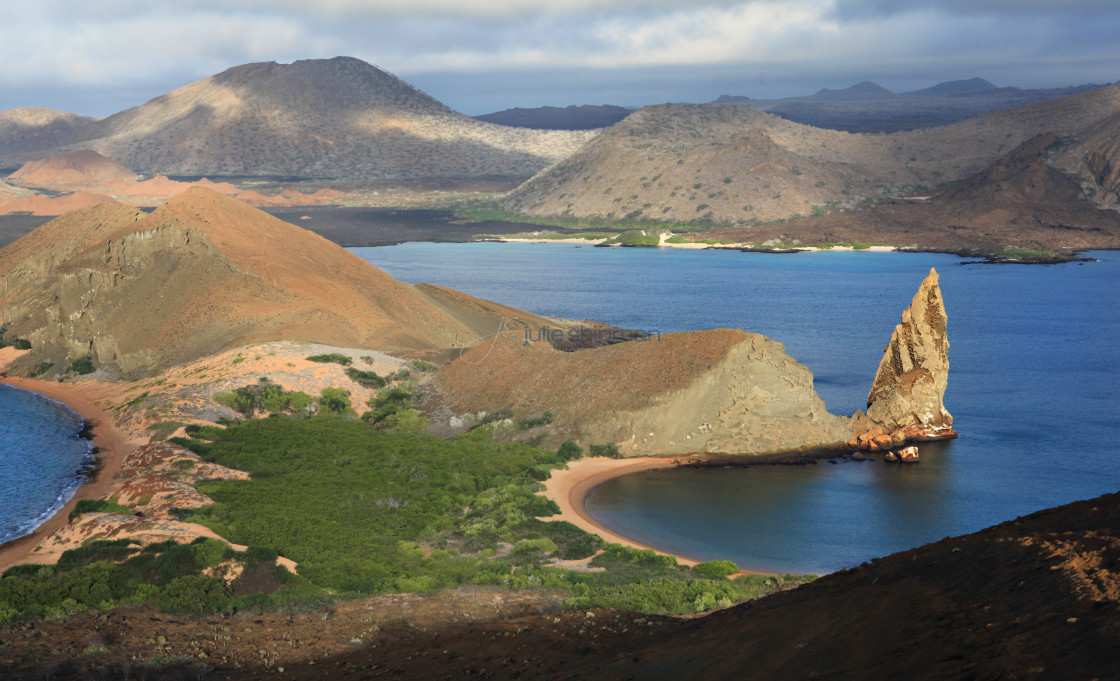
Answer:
x=695 y=245
x=569 y=487
x=111 y=447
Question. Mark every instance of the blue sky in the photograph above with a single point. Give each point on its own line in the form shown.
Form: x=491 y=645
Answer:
x=478 y=56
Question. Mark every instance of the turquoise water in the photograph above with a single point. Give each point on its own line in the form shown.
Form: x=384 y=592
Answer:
x=43 y=460
x=1034 y=386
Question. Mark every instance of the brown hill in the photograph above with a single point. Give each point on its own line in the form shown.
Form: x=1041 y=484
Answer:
x=26 y=131
x=719 y=392
x=314 y=118
x=205 y=272
x=729 y=164
x=84 y=167
x=1018 y=201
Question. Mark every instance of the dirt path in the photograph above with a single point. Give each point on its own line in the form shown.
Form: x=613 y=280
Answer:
x=112 y=447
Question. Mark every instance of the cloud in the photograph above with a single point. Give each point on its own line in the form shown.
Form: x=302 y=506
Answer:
x=55 y=45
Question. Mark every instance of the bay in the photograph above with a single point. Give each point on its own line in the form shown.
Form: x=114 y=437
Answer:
x=1033 y=386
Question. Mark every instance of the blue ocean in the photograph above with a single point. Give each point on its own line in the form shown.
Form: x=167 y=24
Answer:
x=43 y=459
x=1034 y=386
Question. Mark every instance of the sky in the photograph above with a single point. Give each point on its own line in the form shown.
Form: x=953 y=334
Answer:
x=101 y=56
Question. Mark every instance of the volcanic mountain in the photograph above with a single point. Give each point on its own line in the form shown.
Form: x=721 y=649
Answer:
x=731 y=164
x=205 y=272
x=83 y=167
x=313 y=118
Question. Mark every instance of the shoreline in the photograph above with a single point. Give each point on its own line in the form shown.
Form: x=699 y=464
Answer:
x=110 y=449
x=569 y=487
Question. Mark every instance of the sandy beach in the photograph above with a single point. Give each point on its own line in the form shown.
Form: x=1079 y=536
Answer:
x=568 y=488
x=112 y=447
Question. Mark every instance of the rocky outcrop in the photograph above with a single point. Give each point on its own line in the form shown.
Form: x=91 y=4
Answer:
x=905 y=402
x=723 y=392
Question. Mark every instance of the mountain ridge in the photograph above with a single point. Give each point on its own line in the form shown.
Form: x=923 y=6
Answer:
x=313 y=118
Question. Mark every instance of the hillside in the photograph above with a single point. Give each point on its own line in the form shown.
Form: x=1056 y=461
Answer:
x=729 y=164
x=1020 y=201
x=677 y=393
x=76 y=168
x=312 y=118
x=29 y=129
x=205 y=272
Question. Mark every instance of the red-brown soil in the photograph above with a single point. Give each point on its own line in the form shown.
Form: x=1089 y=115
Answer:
x=1034 y=598
x=38 y=204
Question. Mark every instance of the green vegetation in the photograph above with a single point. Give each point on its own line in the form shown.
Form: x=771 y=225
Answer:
x=82 y=366
x=161 y=431
x=534 y=421
x=21 y=344
x=383 y=512
x=264 y=396
x=570 y=451
x=1024 y=253
x=98 y=506
x=635 y=237
x=367 y=510
x=854 y=245
x=331 y=358
x=608 y=450
x=677 y=239
x=716 y=568
x=167 y=575
x=41 y=368
x=366 y=379
x=485 y=211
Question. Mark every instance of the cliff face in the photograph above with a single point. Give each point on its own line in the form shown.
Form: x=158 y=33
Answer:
x=719 y=392
x=905 y=402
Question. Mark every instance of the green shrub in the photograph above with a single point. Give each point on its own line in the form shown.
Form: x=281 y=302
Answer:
x=193 y=594
x=534 y=421
x=366 y=379
x=97 y=506
x=569 y=451
x=335 y=401
x=21 y=344
x=716 y=569
x=406 y=421
x=331 y=358
x=82 y=366
x=609 y=450
x=40 y=369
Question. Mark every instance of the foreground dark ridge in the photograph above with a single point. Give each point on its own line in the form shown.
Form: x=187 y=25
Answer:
x=1032 y=598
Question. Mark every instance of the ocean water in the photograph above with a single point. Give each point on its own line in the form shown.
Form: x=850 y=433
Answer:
x=43 y=459
x=1034 y=386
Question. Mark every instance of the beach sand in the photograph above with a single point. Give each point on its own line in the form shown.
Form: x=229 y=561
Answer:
x=112 y=447
x=569 y=487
